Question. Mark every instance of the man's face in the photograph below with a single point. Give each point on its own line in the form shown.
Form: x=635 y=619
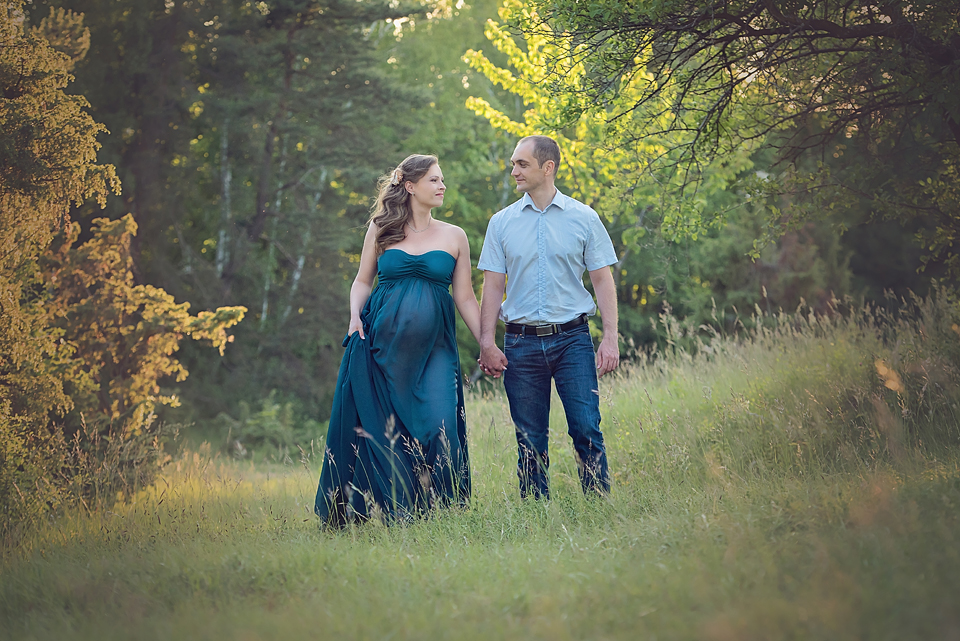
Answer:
x=526 y=170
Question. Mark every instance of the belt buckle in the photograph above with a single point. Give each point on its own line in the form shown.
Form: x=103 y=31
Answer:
x=545 y=330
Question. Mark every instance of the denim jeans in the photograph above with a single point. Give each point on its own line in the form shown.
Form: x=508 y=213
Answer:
x=569 y=359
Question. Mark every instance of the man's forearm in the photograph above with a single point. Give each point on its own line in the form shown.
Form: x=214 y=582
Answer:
x=606 y=291
x=608 y=354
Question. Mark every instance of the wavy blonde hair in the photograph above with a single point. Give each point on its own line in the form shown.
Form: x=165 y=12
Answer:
x=392 y=209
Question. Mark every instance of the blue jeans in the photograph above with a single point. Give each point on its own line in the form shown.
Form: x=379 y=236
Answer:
x=568 y=358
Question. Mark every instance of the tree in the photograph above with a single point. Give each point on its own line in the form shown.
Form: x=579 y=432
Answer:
x=75 y=334
x=687 y=251
x=287 y=131
x=807 y=78
x=247 y=135
x=123 y=336
x=48 y=157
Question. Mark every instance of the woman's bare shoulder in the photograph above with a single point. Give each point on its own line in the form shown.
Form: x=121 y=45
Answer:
x=450 y=228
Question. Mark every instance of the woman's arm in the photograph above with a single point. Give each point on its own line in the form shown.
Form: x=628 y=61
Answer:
x=463 y=294
x=363 y=283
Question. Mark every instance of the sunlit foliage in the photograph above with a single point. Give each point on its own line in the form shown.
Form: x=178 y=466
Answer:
x=82 y=348
x=859 y=98
x=602 y=166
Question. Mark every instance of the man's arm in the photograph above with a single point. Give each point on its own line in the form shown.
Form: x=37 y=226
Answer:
x=608 y=354
x=492 y=360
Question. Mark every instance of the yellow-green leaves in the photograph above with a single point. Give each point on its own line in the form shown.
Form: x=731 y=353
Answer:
x=125 y=335
x=83 y=347
x=605 y=162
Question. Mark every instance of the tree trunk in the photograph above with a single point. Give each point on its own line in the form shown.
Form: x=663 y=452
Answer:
x=298 y=272
x=226 y=175
x=271 y=237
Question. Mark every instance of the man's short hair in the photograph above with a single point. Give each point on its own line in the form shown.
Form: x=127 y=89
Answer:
x=545 y=148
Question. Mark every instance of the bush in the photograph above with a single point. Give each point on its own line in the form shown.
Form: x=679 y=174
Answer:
x=273 y=426
x=115 y=341
x=82 y=348
x=43 y=471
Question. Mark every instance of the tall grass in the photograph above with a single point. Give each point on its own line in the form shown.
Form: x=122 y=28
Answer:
x=800 y=480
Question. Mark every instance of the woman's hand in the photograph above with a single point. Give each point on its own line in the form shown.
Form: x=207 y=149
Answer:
x=363 y=283
x=356 y=325
x=492 y=361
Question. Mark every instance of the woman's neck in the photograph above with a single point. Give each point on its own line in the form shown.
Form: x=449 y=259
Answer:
x=420 y=216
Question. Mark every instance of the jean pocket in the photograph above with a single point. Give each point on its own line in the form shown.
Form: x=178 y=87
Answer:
x=579 y=329
x=511 y=340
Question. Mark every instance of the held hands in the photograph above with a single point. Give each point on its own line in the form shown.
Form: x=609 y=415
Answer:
x=608 y=355
x=492 y=361
x=356 y=325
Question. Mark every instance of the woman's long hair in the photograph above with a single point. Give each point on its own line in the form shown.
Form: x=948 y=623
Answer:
x=392 y=210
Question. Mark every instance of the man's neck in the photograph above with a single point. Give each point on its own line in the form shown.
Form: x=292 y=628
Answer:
x=543 y=196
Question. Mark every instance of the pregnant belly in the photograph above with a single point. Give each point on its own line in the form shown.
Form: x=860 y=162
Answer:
x=418 y=322
x=409 y=324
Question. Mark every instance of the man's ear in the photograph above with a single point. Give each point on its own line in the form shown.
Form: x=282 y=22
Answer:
x=550 y=168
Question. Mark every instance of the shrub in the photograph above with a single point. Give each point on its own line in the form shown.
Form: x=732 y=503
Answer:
x=82 y=348
x=274 y=426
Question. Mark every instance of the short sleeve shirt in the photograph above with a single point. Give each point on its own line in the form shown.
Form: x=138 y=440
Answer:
x=544 y=254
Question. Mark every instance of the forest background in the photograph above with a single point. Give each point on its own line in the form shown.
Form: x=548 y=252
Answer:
x=238 y=155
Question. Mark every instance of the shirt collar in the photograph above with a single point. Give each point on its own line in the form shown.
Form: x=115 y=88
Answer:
x=558 y=199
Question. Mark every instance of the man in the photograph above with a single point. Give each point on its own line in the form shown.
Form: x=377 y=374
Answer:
x=538 y=248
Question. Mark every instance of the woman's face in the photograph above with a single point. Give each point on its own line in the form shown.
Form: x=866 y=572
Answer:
x=428 y=191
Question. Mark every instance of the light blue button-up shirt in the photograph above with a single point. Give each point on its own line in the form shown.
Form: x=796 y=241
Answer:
x=544 y=254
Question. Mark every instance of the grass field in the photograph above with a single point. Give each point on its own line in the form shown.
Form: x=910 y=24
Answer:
x=803 y=482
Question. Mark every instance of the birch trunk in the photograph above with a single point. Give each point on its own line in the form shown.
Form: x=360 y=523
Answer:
x=298 y=272
x=271 y=234
x=226 y=176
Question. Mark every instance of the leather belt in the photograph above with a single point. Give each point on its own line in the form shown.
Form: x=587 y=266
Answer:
x=545 y=330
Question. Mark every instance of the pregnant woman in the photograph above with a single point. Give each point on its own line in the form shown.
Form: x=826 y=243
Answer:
x=396 y=445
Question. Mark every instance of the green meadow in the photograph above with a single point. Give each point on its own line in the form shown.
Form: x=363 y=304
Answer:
x=798 y=480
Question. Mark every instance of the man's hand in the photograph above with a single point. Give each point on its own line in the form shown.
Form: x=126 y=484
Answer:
x=492 y=361
x=608 y=355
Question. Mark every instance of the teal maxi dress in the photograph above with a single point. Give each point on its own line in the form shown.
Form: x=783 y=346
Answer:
x=396 y=444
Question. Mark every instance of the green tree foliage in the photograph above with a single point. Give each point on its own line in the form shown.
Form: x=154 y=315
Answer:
x=249 y=136
x=603 y=169
x=81 y=347
x=49 y=144
x=686 y=250
x=810 y=79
